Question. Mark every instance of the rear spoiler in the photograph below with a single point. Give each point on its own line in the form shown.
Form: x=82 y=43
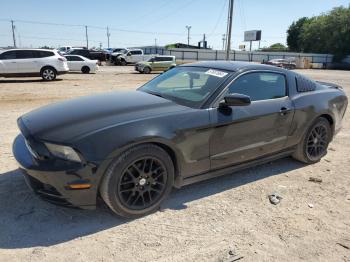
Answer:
x=329 y=85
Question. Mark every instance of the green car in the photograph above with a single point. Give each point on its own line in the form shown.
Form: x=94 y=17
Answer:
x=156 y=63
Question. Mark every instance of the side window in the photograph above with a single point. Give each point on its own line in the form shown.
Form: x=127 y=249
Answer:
x=136 y=52
x=25 y=54
x=76 y=58
x=157 y=59
x=42 y=54
x=69 y=58
x=8 y=55
x=260 y=85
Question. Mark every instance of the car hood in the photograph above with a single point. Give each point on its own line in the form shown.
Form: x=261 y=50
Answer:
x=66 y=121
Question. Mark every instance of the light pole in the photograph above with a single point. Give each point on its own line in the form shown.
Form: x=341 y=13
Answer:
x=108 y=35
x=229 y=29
x=188 y=34
x=13 y=34
x=87 y=37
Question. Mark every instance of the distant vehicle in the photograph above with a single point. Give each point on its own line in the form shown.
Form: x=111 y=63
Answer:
x=110 y=51
x=98 y=55
x=194 y=122
x=156 y=63
x=81 y=63
x=128 y=56
x=32 y=62
x=284 y=63
x=64 y=49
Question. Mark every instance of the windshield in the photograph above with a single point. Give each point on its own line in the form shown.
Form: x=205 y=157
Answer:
x=189 y=86
x=122 y=51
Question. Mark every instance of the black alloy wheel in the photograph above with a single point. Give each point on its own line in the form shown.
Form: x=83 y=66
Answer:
x=142 y=183
x=138 y=181
x=317 y=142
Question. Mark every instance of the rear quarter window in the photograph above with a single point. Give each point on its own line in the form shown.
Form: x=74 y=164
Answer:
x=304 y=85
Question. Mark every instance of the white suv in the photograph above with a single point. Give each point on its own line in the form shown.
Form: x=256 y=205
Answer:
x=32 y=62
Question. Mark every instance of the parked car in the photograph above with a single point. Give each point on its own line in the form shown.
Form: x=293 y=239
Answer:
x=80 y=63
x=110 y=51
x=284 y=63
x=193 y=122
x=156 y=63
x=32 y=62
x=93 y=55
x=64 y=49
x=128 y=56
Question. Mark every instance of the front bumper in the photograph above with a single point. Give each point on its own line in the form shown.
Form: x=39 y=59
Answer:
x=50 y=179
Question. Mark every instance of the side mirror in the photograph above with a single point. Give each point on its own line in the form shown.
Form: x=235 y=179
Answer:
x=128 y=54
x=235 y=100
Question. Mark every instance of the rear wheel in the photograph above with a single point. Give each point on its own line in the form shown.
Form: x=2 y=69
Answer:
x=315 y=142
x=138 y=181
x=48 y=74
x=85 y=70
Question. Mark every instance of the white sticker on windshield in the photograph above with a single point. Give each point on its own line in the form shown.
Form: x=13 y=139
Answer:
x=216 y=73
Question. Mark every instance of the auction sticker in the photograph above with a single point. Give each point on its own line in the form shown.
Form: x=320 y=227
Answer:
x=216 y=73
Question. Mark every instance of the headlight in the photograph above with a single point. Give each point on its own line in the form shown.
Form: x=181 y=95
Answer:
x=64 y=152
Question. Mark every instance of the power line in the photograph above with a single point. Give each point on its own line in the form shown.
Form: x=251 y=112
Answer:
x=219 y=19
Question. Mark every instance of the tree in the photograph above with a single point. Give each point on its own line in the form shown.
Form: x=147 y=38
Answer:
x=278 y=47
x=293 y=34
x=326 y=33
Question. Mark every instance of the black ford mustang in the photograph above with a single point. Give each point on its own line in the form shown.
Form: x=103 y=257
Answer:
x=191 y=123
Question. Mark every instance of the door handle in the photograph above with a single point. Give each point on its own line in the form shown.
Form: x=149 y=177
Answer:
x=284 y=111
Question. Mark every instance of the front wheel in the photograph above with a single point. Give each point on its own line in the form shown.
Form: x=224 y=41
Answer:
x=138 y=181
x=123 y=62
x=146 y=70
x=48 y=74
x=315 y=142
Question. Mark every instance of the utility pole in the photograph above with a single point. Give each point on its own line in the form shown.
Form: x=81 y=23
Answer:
x=87 y=38
x=229 y=29
x=13 y=33
x=188 y=34
x=155 y=42
x=108 y=35
x=223 y=41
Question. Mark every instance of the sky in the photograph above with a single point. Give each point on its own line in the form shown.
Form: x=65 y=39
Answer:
x=148 y=22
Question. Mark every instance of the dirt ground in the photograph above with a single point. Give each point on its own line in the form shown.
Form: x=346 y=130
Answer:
x=217 y=220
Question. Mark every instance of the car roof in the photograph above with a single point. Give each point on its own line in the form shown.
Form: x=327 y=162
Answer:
x=26 y=49
x=232 y=66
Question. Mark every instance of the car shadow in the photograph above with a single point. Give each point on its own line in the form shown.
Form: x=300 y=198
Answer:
x=8 y=81
x=27 y=221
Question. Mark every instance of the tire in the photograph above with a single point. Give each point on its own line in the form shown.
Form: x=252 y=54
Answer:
x=138 y=181
x=315 y=142
x=146 y=70
x=85 y=70
x=123 y=62
x=48 y=73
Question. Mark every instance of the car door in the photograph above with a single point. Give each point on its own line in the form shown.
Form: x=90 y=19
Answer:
x=27 y=62
x=136 y=56
x=8 y=63
x=157 y=64
x=75 y=63
x=244 y=133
